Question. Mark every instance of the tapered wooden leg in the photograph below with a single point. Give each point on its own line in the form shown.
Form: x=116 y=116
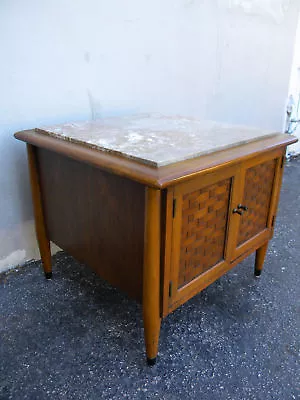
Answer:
x=151 y=274
x=260 y=258
x=41 y=232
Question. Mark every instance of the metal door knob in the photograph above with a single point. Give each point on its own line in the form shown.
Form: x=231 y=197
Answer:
x=236 y=211
x=241 y=207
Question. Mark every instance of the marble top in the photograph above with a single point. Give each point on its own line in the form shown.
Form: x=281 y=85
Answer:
x=154 y=139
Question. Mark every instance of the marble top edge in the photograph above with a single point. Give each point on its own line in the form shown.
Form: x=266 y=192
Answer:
x=155 y=140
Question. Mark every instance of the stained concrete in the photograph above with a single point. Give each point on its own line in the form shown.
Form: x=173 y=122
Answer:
x=75 y=337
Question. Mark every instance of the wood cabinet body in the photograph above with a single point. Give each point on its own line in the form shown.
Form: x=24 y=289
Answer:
x=159 y=234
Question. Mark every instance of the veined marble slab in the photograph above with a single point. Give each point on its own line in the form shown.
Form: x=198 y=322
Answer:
x=154 y=139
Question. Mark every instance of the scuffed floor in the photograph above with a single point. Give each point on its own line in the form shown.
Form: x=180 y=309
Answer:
x=75 y=337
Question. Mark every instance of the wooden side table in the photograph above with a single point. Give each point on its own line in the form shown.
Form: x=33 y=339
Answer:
x=161 y=231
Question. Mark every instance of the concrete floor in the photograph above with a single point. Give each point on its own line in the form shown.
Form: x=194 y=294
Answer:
x=75 y=337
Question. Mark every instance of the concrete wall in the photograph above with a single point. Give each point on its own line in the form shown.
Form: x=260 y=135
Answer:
x=227 y=60
x=294 y=90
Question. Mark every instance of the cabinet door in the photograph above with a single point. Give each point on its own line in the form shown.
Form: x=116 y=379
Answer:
x=259 y=189
x=200 y=233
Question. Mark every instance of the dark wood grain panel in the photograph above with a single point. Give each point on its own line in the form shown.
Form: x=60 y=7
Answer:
x=95 y=216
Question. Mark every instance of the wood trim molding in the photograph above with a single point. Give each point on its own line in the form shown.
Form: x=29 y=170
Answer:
x=160 y=177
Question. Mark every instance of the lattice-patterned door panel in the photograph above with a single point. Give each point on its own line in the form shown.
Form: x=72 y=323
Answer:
x=257 y=197
x=200 y=230
x=256 y=206
x=203 y=231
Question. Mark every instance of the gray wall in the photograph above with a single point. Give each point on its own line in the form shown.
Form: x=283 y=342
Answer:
x=227 y=60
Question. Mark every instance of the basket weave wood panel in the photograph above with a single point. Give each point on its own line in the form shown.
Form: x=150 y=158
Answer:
x=203 y=233
x=257 y=196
